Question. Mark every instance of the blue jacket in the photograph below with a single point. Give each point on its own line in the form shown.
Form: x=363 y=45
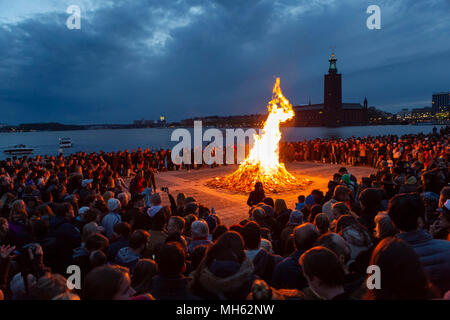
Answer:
x=434 y=254
x=288 y=274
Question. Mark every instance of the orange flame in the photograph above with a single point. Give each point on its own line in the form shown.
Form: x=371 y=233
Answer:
x=262 y=164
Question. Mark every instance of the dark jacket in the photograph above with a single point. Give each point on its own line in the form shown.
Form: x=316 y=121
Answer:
x=67 y=238
x=264 y=264
x=255 y=197
x=224 y=280
x=18 y=234
x=288 y=274
x=164 y=288
x=434 y=254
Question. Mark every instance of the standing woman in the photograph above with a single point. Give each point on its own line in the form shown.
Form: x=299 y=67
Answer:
x=257 y=195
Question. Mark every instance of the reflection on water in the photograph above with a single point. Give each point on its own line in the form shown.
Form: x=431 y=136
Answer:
x=121 y=139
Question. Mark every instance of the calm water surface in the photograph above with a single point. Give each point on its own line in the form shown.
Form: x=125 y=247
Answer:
x=155 y=138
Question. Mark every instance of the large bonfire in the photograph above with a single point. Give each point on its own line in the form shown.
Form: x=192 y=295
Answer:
x=262 y=164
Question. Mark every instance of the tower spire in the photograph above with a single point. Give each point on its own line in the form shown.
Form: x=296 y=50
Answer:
x=332 y=60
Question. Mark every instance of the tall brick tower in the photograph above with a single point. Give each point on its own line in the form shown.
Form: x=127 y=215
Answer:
x=332 y=99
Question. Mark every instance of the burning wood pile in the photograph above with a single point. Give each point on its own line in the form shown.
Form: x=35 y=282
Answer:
x=262 y=163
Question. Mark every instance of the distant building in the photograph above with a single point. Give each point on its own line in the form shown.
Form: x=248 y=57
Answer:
x=333 y=112
x=422 y=113
x=162 y=121
x=404 y=114
x=441 y=102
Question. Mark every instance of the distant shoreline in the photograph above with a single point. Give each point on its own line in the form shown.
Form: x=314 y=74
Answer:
x=62 y=128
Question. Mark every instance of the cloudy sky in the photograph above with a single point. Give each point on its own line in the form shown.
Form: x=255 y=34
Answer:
x=137 y=59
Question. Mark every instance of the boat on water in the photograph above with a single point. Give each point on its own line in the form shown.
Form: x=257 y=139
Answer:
x=65 y=143
x=18 y=149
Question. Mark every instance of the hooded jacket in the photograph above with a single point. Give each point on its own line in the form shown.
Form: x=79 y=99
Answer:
x=225 y=280
x=358 y=240
x=264 y=264
x=127 y=258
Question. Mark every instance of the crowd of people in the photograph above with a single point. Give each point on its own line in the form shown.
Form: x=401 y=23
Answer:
x=79 y=212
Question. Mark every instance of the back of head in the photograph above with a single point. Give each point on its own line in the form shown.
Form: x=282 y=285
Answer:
x=252 y=235
x=280 y=206
x=199 y=229
x=335 y=243
x=385 y=228
x=229 y=246
x=178 y=222
x=49 y=286
x=103 y=283
x=322 y=263
x=322 y=222
x=339 y=209
x=403 y=276
x=269 y=202
x=139 y=238
x=114 y=205
x=159 y=220
x=341 y=193
x=344 y=221
x=170 y=258
x=143 y=274
x=371 y=198
x=405 y=210
x=305 y=235
x=191 y=208
x=96 y=241
x=123 y=229
x=155 y=199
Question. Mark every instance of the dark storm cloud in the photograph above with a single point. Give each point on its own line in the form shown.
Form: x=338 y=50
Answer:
x=140 y=59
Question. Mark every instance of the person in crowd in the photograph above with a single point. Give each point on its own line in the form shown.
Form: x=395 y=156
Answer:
x=353 y=281
x=263 y=262
x=370 y=201
x=288 y=273
x=295 y=219
x=322 y=223
x=121 y=236
x=257 y=195
x=402 y=273
x=225 y=272
x=113 y=217
x=170 y=283
x=199 y=232
x=66 y=235
x=107 y=283
x=341 y=194
x=138 y=244
x=356 y=235
x=407 y=212
x=143 y=274
x=324 y=273
x=158 y=233
x=301 y=202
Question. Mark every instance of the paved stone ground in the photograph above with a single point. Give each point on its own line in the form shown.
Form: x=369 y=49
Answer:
x=232 y=207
